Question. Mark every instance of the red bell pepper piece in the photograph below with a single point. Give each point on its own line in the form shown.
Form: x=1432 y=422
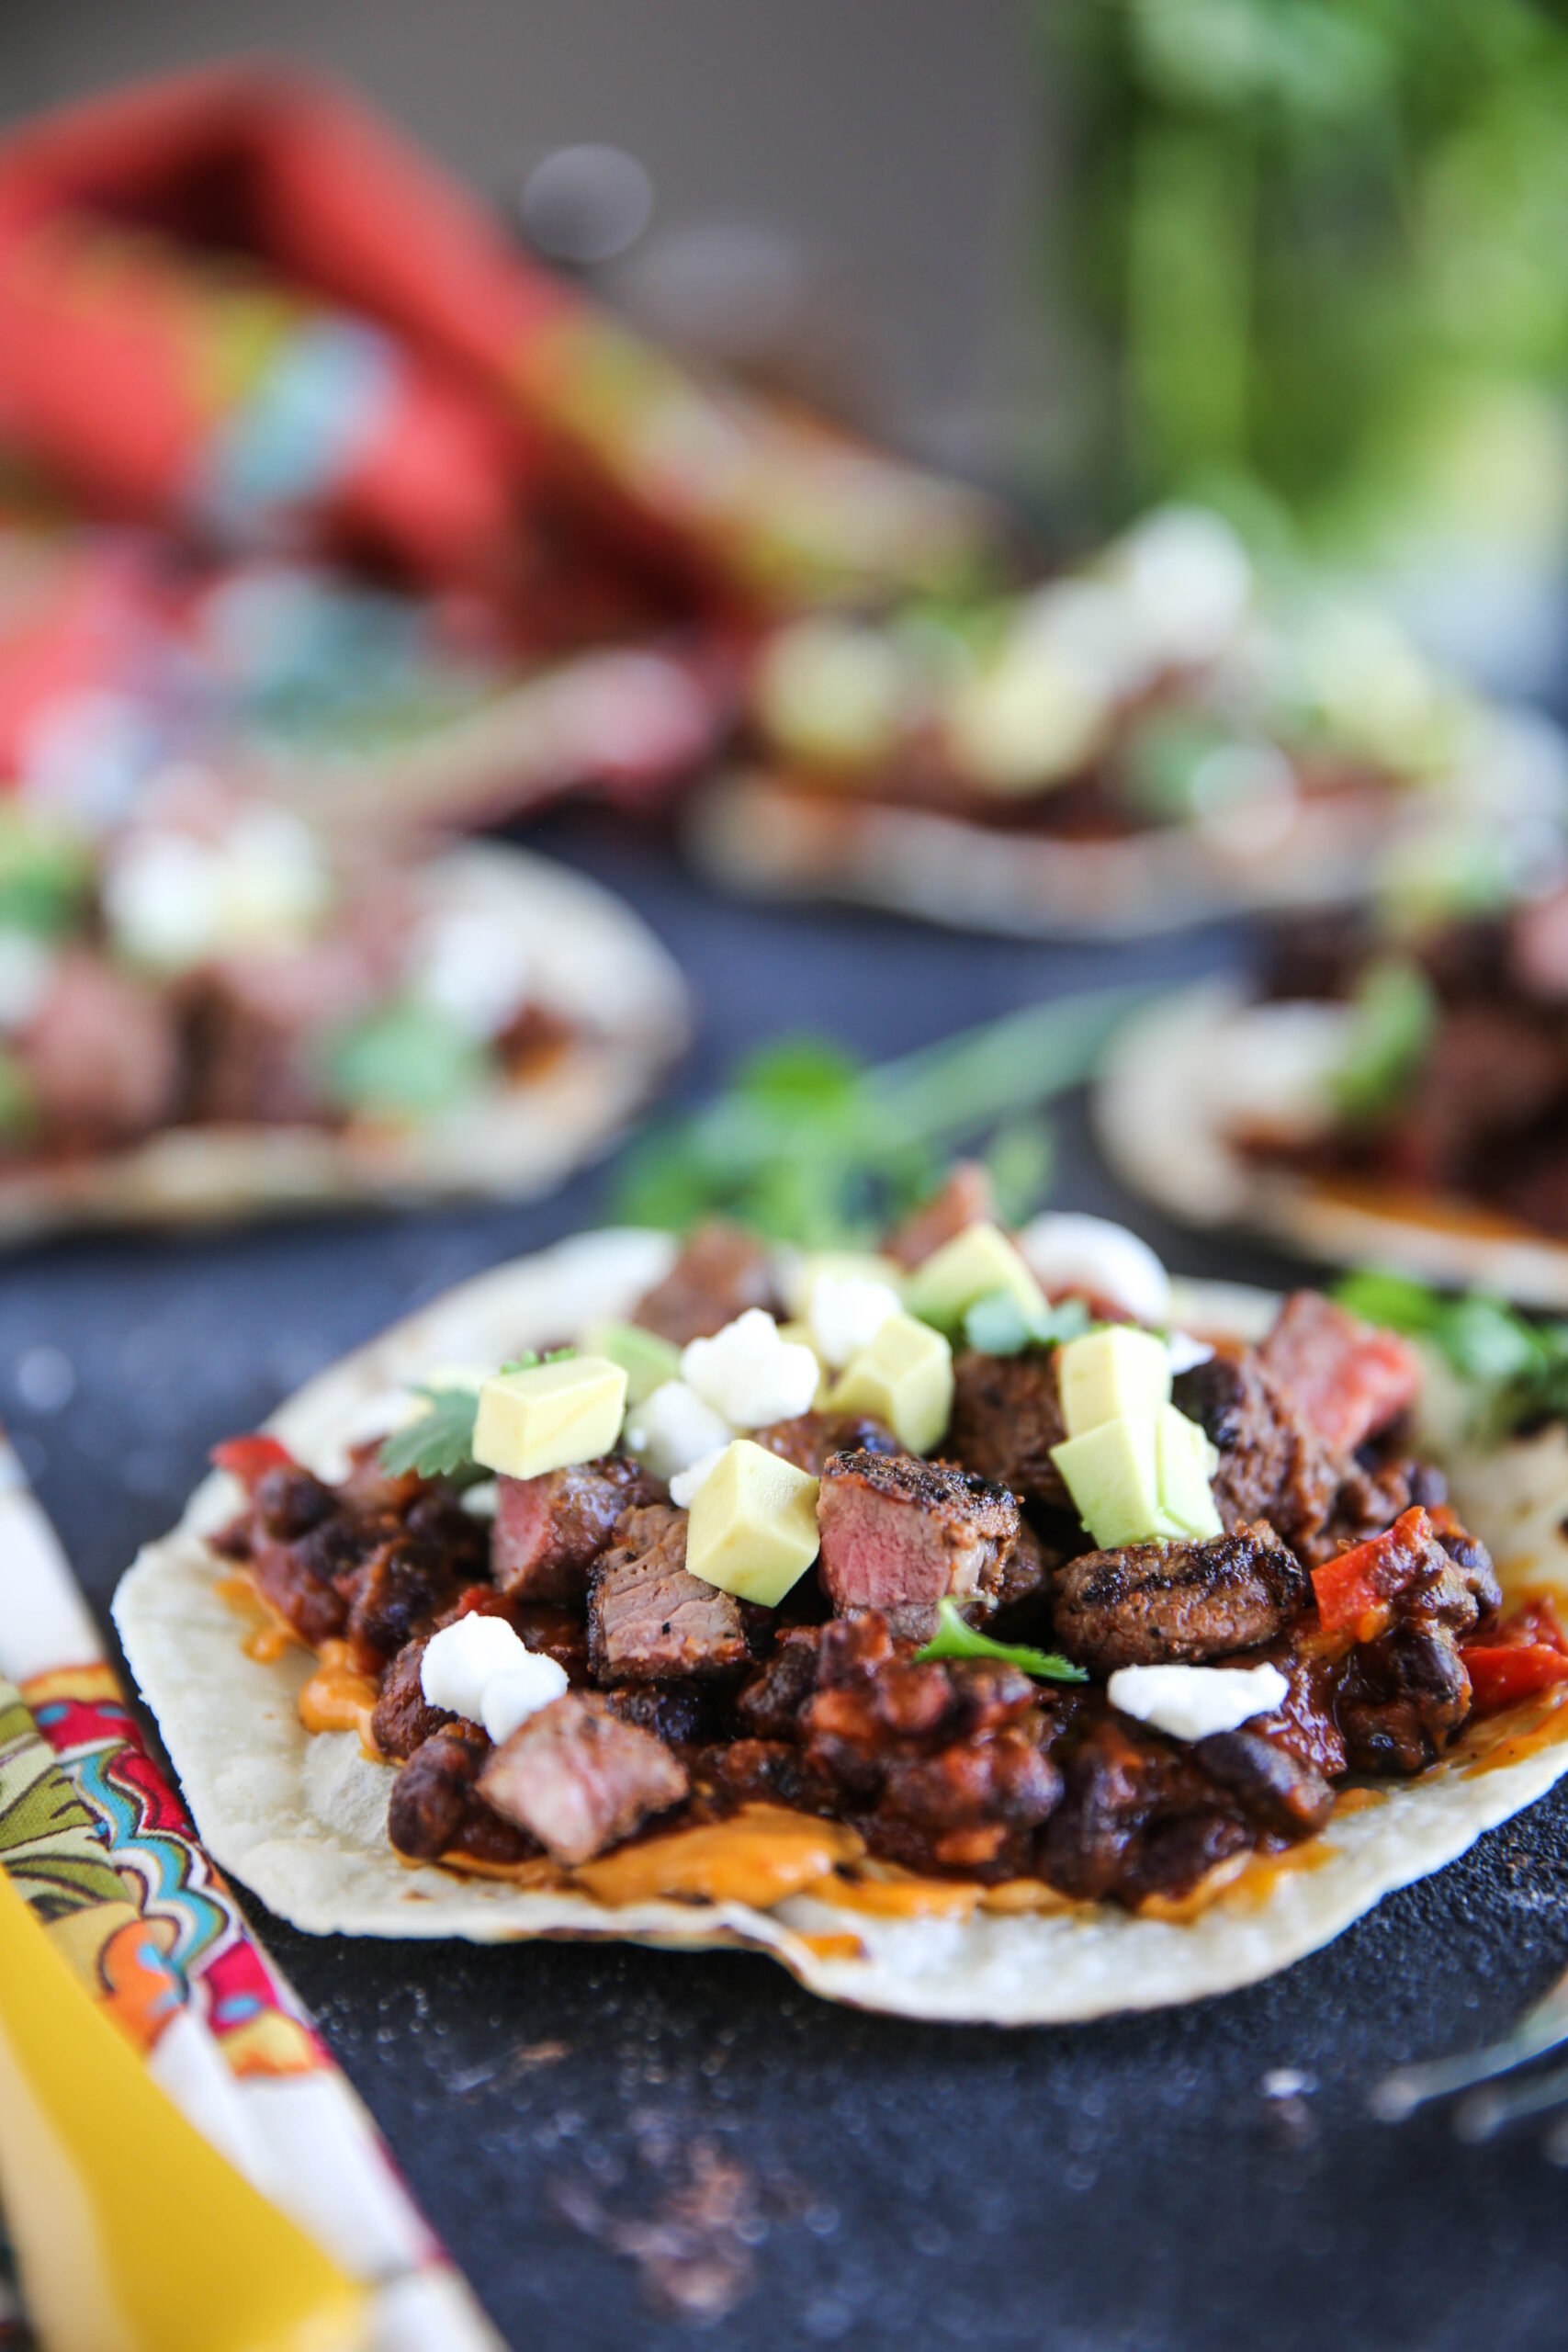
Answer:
x=1353 y=1591
x=250 y=1458
x=1502 y=1673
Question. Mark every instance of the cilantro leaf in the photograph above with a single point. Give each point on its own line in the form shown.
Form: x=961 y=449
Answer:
x=440 y=1443
x=997 y=1326
x=1394 y=1014
x=808 y=1145
x=405 y=1061
x=953 y=1638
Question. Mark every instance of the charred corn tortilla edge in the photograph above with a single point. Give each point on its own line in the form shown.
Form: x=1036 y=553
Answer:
x=300 y=1819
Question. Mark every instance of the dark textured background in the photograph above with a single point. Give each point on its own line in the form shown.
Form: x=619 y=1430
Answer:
x=1123 y=2184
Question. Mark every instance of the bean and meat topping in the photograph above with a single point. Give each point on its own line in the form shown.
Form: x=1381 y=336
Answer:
x=1337 y=1563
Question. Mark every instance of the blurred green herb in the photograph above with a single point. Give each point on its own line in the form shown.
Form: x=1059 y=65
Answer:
x=440 y=1443
x=953 y=1638
x=18 y=1102
x=998 y=1326
x=46 y=876
x=409 y=1061
x=1394 y=1014
x=808 y=1145
x=1516 y=1370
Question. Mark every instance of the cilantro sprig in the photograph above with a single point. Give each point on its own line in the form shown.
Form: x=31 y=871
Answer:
x=808 y=1145
x=953 y=1638
x=1516 y=1370
x=998 y=1326
x=440 y=1443
x=1392 y=1016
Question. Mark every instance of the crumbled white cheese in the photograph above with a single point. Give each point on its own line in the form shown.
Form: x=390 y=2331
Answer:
x=480 y=1670
x=846 y=1312
x=172 y=900
x=750 y=1374
x=1182 y=1352
x=1191 y=1702
x=510 y=1698
x=673 y=1428
x=684 y=1484
x=476 y=966
x=1071 y=1254
x=27 y=970
x=484 y=1500
x=463 y=1658
x=1272 y=1076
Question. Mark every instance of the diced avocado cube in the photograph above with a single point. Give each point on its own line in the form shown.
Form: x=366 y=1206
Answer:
x=645 y=1358
x=551 y=1415
x=904 y=1379
x=1112 y=1476
x=805 y=1271
x=973 y=1264
x=753 y=1524
x=798 y=1335
x=1186 y=1463
x=1105 y=1375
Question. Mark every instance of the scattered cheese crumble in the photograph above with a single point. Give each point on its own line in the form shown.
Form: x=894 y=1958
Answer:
x=672 y=1429
x=750 y=1374
x=1191 y=1702
x=480 y=1669
x=845 y=1312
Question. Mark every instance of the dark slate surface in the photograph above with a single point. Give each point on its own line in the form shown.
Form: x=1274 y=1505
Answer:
x=1123 y=2184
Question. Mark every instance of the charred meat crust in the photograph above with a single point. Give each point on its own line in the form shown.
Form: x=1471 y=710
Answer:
x=1007 y=1416
x=549 y=1531
x=579 y=1778
x=1153 y=1604
x=649 y=1618
x=900 y=1534
x=722 y=1270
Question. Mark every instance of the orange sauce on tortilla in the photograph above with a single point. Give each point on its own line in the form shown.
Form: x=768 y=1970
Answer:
x=834 y=1947
x=271 y=1635
x=337 y=1698
x=1509 y=1737
x=762 y=1855
x=887 y=1893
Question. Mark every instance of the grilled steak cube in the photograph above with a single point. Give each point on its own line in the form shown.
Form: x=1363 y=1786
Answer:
x=649 y=1618
x=404 y=1717
x=580 y=1780
x=436 y=1808
x=811 y=1439
x=102 y=1053
x=1007 y=1415
x=548 y=1531
x=719 y=1273
x=1345 y=1379
x=1154 y=1604
x=899 y=1534
x=966 y=1199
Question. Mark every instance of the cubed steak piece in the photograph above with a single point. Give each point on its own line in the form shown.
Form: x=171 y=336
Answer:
x=436 y=1809
x=404 y=1717
x=549 y=1531
x=1153 y=1604
x=899 y=1534
x=103 y=1055
x=809 y=1439
x=649 y=1618
x=968 y=1198
x=1007 y=1415
x=719 y=1273
x=580 y=1780
x=1346 y=1379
